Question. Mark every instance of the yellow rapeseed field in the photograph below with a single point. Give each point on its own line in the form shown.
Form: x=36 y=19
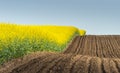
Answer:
x=18 y=40
x=58 y=34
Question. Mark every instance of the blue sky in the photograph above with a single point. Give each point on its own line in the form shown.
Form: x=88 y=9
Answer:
x=95 y=16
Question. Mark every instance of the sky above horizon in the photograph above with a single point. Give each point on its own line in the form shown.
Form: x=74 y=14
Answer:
x=95 y=16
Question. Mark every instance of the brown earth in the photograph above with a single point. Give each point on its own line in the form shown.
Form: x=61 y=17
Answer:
x=85 y=54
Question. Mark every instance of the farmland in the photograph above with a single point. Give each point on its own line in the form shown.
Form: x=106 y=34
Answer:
x=85 y=54
x=104 y=46
x=19 y=40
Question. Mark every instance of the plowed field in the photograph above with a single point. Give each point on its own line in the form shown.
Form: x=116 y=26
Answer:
x=85 y=54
